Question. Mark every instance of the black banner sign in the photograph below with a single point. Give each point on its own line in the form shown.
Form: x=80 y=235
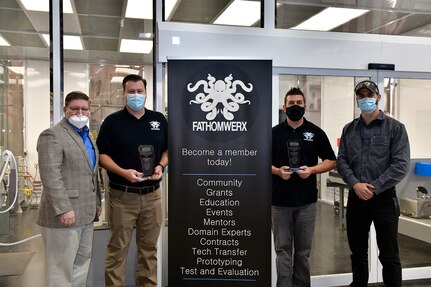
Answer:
x=219 y=115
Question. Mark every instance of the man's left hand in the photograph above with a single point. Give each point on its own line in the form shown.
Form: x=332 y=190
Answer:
x=305 y=172
x=158 y=173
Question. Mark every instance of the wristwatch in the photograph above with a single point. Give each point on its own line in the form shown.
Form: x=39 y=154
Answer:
x=163 y=167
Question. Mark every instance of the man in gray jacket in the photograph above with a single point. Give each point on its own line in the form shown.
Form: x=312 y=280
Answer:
x=68 y=161
x=374 y=156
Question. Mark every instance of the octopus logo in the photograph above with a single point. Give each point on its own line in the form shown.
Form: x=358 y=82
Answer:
x=308 y=136
x=155 y=126
x=217 y=92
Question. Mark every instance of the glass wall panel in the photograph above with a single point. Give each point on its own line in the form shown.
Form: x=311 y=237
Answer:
x=411 y=104
x=329 y=105
x=408 y=18
x=104 y=40
x=24 y=113
x=11 y=97
x=408 y=101
x=220 y=12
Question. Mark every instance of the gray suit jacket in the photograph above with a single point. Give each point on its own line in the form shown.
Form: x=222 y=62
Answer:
x=69 y=182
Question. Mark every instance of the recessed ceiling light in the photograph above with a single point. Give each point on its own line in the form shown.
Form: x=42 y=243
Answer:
x=125 y=70
x=136 y=46
x=235 y=14
x=146 y=35
x=139 y=9
x=43 y=5
x=330 y=18
x=69 y=42
x=117 y=79
x=16 y=69
x=72 y=43
x=3 y=42
x=169 y=8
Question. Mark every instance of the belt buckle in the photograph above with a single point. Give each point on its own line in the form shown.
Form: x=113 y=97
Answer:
x=145 y=189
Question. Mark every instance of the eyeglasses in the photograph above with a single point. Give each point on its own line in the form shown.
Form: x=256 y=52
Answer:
x=78 y=109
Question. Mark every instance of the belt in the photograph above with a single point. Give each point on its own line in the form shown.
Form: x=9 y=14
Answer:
x=134 y=189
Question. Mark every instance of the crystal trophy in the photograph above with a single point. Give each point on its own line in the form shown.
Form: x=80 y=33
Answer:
x=294 y=154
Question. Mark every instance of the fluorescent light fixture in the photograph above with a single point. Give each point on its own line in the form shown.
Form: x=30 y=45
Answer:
x=146 y=35
x=117 y=79
x=169 y=8
x=69 y=42
x=43 y=5
x=139 y=9
x=46 y=38
x=3 y=42
x=16 y=70
x=76 y=74
x=126 y=70
x=330 y=18
x=241 y=13
x=136 y=46
x=72 y=43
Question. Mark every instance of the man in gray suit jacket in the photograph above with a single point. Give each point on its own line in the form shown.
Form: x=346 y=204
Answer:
x=68 y=161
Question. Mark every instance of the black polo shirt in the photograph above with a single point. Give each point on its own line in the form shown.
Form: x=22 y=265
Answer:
x=121 y=134
x=296 y=191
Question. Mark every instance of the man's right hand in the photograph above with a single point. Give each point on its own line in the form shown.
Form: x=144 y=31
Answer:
x=284 y=173
x=68 y=218
x=133 y=175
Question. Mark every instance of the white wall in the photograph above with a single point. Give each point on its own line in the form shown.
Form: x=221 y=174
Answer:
x=37 y=100
x=415 y=112
x=337 y=106
x=291 y=48
x=36 y=107
x=76 y=78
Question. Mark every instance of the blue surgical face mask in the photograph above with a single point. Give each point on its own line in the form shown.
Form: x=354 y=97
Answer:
x=135 y=101
x=367 y=105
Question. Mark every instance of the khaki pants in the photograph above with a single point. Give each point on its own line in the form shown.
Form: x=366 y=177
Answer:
x=127 y=211
x=67 y=255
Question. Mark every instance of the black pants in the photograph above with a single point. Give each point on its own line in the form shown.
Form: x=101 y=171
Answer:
x=384 y=211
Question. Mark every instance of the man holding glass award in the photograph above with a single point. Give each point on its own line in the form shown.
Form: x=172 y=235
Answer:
x=297 y=145
x=133 y=145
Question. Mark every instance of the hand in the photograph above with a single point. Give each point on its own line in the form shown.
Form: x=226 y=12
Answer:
x=158 y=173
x=305 y=172
x=284 y=173
x=68 y=218
x=133 y=175
x=364 y=191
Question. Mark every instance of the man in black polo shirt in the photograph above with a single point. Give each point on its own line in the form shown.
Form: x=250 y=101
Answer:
x=296 y=146
x=135 y=198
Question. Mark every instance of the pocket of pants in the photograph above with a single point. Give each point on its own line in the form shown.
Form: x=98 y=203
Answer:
x=396 y=205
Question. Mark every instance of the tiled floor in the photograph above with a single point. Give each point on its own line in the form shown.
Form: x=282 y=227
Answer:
x=330 y=251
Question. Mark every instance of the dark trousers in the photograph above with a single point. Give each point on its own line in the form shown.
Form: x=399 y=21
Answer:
x=383 y=210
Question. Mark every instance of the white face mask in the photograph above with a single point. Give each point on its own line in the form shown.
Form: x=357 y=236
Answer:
x=78 y=121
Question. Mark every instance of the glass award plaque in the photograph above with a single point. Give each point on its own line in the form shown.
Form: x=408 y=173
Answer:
x=294 y=154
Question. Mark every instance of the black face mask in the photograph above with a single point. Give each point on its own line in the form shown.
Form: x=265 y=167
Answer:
x=295 y=112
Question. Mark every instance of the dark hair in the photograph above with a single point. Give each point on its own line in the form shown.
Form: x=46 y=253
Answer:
x=75 y=95
x=133 y=78
x=294 y=92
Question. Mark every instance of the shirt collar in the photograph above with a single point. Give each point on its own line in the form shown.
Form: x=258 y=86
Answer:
x=304 y=123
x=380 y=117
